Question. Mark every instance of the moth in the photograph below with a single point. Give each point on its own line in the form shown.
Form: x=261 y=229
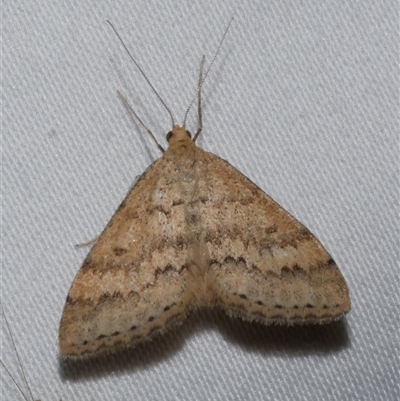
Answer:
x=194 y=232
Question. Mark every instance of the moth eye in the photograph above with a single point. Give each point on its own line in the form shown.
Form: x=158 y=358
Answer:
x=169 y=135
x=188 y=134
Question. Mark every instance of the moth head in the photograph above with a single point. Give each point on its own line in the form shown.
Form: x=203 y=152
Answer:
x=178 y=132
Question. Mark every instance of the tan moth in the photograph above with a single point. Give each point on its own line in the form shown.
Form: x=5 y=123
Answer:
x=194 y=232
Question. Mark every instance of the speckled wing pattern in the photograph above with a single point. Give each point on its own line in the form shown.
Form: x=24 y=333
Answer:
x=264 y=265
x=137 y=279
x=195 y=232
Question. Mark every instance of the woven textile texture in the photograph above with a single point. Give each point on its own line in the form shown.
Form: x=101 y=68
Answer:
x=303 y=99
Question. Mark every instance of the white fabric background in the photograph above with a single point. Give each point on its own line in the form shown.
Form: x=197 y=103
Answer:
x=303 y=99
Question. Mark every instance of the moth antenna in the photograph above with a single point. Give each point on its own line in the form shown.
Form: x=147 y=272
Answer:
x=199 y=101
x=19 y=361
x=207 y=71
x=144 y=75
x=140 y=120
